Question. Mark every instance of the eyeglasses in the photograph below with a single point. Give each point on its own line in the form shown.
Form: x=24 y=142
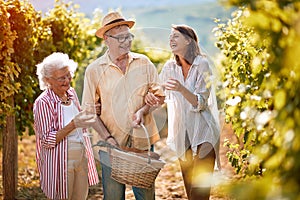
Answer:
x=63 y=78
x=122 y=38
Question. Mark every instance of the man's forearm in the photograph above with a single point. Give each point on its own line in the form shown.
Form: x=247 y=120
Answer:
x=101 y=129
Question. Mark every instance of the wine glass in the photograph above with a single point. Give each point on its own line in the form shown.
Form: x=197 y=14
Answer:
x=91 y=109
x=167 y=74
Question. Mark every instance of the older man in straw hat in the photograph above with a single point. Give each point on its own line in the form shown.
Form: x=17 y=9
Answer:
x=119 y=81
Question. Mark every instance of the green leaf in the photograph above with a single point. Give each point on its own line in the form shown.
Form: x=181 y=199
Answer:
x=279 y=99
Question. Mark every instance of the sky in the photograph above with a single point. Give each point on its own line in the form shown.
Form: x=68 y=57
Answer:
x=88 y=7
x=105 y=5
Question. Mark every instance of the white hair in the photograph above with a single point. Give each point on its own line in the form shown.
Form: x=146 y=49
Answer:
x=51 y=63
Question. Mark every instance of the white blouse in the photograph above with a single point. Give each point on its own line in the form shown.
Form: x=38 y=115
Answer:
x=69 y=111
x=199 y=124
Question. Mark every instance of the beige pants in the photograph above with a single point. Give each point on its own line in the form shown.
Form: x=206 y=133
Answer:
x=77 y=172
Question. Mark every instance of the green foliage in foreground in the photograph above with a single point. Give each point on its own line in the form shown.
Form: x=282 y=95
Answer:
x=26 y=39
x=260 y=47
x=19 y=28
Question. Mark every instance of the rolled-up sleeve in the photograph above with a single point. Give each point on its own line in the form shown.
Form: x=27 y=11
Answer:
x=202 y=104
x=90 y=92
x=202 y=88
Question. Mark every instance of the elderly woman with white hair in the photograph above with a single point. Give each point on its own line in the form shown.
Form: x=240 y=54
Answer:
x=63 y=149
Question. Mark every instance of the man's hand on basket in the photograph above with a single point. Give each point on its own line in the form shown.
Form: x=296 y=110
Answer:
x=138 y=118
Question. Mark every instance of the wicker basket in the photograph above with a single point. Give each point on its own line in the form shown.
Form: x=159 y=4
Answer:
x=133 y=169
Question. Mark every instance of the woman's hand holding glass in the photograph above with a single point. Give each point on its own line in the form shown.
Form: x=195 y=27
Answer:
x=167 y=76
x=82 y=120
x=173 y=84
x=92 y=109
x=88 y=116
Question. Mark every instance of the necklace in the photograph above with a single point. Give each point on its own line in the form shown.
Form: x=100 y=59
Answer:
x=65 y=101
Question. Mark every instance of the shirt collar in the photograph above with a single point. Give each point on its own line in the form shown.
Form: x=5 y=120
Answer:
x=197 y=60
x=105 y=59
x=56 y=98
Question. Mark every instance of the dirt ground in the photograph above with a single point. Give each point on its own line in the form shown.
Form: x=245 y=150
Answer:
x=169 y=184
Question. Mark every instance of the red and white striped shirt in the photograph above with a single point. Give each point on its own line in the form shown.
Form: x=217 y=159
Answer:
x=52 y=158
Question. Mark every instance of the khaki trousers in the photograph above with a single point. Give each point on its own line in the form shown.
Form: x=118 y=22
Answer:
x=77 y=171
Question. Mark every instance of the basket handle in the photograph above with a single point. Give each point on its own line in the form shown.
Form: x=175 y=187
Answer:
x=101 y=143
x=109 y=146
x=148 y=139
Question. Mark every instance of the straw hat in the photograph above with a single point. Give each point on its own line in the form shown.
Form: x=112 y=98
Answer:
x=111 y=20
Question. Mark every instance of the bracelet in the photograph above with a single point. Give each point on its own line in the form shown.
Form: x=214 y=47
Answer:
x=110 y=136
